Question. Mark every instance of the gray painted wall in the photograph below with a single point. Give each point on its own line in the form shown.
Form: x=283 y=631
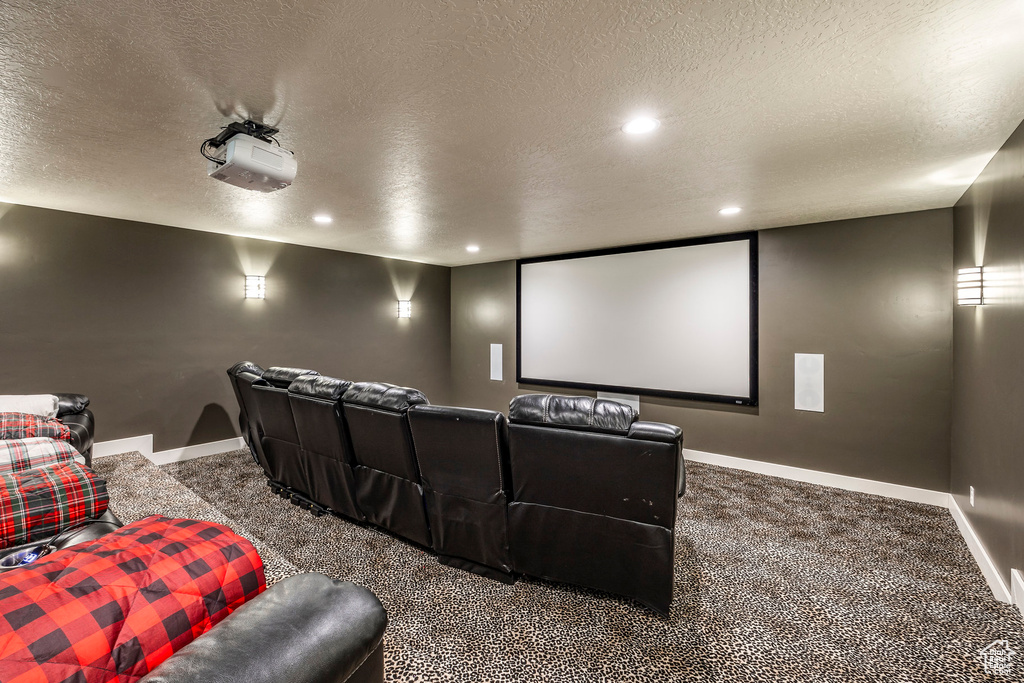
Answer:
x=874 y=295
x=988 y=359
x=145 y=319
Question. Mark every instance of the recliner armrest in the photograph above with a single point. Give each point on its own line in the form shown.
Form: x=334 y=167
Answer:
x=305 y=629
x=655 y=431
x=68 y=404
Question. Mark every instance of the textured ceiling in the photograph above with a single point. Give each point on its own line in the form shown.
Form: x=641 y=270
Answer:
x=422 y=127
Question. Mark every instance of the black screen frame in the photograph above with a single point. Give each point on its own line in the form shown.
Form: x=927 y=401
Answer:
x=750 y=400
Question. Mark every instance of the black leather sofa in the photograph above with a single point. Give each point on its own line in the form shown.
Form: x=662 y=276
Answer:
x=305 y=629
x=570 y=489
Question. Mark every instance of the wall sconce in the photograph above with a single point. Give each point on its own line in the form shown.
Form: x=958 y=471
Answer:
x=255 y=287
x=970 y=286
x=404 y=308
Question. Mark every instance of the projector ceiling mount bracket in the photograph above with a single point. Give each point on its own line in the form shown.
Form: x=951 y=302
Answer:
x=254 y=129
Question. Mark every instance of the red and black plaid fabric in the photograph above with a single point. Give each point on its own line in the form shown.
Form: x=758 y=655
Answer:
x=113 y=609
x=19 y=455
x=40 y=502
x=25 y=426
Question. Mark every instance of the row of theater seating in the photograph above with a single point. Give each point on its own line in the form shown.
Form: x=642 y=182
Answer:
x=569 y=488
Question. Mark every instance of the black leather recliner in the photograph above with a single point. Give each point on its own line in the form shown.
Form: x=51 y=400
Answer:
x=243 y=375
x=306 y=629
x=325 y=450
x=463 y=460
x=387 y=476
x=280 y=440
x=594 y=495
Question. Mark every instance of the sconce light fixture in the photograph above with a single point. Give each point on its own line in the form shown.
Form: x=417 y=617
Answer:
x=404 y=308
x=970 y=286
x=255 y=287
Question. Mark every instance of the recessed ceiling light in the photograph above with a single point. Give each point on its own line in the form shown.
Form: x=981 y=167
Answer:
x=322 y=218
x=641 y=125
x=730 y=210
x=472 y=248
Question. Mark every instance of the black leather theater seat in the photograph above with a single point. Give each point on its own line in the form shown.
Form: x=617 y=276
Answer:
x=243 y=375
x=463 y=460
x=305 y=629
x=325 y=451
x=387 y=477
x=594 y=495
x=280 y=440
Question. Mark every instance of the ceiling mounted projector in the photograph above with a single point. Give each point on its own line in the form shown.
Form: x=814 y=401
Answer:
x=246 y=155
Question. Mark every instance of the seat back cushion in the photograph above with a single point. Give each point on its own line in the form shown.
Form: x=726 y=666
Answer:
x=461 y=451
x=40 y=502
x=118 y=606
x=381 y=440
x=27 y=425
x=18 y=455
x=316 y=407
x=601 y=474
x=325 y=450
x=275 y=412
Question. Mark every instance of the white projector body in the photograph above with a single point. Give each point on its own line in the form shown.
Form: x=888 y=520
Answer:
x=253 y=164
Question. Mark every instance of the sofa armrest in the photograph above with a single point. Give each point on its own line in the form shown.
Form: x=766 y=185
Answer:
x=82 y=426
x=305 y=629
x=656 y=431
x=68 y=404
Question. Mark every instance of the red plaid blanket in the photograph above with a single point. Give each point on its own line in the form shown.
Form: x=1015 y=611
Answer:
x=40 y=502
x=19 y=455
x=113 y=609
x=25 y=426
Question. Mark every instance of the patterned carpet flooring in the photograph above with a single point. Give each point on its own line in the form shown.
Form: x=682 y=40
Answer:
x=774 y=581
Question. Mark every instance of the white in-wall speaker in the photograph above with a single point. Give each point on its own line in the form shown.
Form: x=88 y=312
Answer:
x=809 y=382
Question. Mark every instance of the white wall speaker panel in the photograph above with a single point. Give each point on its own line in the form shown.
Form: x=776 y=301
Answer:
x=628 y=399
x=496 y=362
x=809 y=382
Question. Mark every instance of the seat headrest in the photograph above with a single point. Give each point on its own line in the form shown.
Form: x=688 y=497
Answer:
x=383 y=395
x=318 y=386
x=245 y=366
x=573 y=412
x=282 y=377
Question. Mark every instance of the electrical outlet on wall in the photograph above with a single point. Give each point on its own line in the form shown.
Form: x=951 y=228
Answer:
x=972 y=496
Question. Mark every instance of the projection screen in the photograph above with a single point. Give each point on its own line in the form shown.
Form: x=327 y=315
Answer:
x=672 y=319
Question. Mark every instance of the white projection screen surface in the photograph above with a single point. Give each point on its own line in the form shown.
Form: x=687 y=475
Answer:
x=675 y=320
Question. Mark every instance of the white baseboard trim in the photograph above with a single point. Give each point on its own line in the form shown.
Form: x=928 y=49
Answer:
x=981 y=556
x=199 y=450
x=1017 y=589
x=142 y=444
x=839 y=481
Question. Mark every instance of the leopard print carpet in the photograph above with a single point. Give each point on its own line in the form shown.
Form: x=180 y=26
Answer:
x=774 y=581
x=138 y=489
